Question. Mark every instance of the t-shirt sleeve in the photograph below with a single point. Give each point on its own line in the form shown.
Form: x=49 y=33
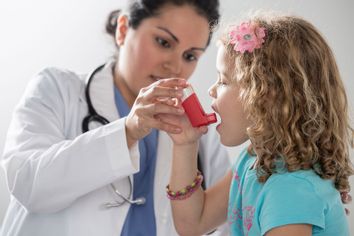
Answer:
x=289 y=199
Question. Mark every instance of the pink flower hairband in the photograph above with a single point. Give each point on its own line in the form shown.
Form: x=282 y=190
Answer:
x=247 y=36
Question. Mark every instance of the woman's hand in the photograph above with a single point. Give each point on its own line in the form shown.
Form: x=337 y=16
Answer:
x=151 y=101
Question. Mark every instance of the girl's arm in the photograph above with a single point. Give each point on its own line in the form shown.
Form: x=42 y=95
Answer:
x=203 y=211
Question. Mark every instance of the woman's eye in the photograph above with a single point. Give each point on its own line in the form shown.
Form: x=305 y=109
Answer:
x=162 y=42
x=189 y=57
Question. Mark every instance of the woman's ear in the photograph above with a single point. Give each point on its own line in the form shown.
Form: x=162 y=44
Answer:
x=122 y=29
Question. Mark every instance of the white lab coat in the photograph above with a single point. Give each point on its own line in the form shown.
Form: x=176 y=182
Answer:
x=59 y=178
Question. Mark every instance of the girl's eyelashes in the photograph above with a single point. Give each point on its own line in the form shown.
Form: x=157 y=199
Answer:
x=221 y=82
x=162 y=42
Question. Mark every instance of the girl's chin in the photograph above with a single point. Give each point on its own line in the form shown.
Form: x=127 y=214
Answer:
x=222 y=139
x=218 y=128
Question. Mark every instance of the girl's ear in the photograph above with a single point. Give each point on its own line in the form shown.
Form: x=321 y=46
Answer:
x=122 y=29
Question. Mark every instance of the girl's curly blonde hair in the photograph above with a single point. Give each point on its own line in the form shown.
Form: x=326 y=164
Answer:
x=292 y=90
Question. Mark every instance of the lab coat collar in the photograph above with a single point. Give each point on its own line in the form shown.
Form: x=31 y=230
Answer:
x=102 y=93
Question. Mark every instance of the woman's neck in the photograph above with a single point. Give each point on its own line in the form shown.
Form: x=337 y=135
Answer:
x=123 y=88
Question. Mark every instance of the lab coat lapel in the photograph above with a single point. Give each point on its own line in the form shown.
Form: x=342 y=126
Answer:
x=102 y=98
x=162 y=176
x=102 y=93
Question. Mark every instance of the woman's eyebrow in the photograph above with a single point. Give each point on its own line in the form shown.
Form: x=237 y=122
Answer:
x=176 y=39
x=169 y=32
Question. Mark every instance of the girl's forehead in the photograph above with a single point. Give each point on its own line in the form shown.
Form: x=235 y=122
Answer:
x=221 y=58
x=223 y=63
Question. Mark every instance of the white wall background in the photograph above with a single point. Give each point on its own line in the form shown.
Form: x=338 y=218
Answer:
x=70 y=34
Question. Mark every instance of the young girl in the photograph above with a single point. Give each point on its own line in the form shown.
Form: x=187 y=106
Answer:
x=278 y=86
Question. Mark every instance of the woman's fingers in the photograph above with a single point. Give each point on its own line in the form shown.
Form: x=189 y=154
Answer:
x=161 y=97
x=165 y=88
x=158 y=92
x=170 y=82
x=157 y=108
x=169 y=101
x=142 y=118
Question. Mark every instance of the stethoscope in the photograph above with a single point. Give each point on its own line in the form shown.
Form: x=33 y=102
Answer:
x=93 y=116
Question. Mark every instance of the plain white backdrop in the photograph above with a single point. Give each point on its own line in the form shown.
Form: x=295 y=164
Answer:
x=70 y=34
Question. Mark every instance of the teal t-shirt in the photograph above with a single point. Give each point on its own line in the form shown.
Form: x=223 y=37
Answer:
x=300 y=197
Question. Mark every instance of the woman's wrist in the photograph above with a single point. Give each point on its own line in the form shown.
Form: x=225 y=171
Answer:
x=131 y=140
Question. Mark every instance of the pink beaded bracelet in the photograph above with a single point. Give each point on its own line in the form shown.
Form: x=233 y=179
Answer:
x=187 y=191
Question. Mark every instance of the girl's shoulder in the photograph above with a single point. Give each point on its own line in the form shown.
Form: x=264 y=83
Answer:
x=243 y=162
x=303 y=177
x=303 y=183
x=308 y=197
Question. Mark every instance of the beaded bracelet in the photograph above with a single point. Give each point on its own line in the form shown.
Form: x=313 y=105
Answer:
x=187 y=191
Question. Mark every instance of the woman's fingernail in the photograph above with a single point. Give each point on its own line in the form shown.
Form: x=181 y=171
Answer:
x=182 y=81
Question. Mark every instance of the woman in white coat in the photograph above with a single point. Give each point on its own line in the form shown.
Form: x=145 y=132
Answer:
x=69 y=177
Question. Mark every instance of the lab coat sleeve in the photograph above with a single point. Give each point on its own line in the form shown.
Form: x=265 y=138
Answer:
x=46 y=171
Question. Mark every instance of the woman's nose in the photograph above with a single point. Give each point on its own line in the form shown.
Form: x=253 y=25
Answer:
x=173 y=67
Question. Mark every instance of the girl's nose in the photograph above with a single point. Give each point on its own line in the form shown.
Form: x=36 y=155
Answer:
x=212 y=91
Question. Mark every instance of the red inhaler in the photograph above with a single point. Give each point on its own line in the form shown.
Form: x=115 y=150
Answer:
x=194 y=109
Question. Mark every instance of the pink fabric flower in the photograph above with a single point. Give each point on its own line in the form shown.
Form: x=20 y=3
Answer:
x=247 y=37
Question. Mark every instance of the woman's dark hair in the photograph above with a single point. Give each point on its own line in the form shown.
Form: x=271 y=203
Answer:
x=138 y=10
